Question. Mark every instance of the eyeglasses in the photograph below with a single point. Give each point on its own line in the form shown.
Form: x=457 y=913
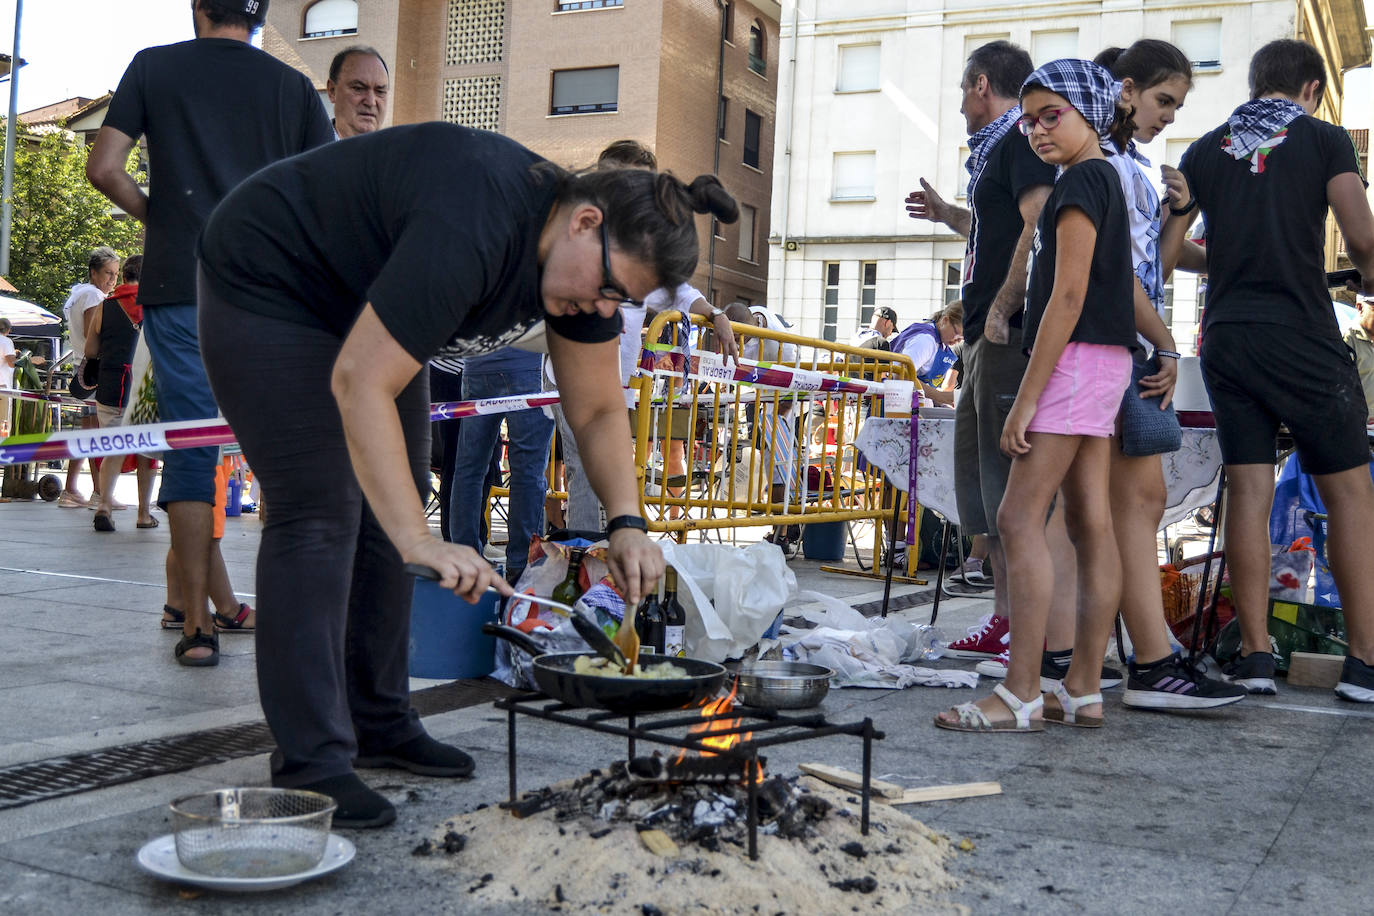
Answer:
x=609 y=288
x=1046 y=119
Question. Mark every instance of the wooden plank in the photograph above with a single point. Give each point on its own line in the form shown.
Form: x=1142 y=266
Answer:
x=848 y=779
x=943 y=793
x=1313 y=669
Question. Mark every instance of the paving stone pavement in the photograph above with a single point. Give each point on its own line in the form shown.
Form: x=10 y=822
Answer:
x=1258 y=808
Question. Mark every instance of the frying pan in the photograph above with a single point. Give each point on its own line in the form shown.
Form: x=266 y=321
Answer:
x=554 y=674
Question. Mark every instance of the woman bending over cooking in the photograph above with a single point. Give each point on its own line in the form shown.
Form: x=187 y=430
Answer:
x=350 y=267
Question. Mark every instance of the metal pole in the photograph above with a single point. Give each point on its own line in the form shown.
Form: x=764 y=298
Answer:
x=7 y=191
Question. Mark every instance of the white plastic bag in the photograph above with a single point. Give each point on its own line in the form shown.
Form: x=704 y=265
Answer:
x=731 y=594
x=867 y=651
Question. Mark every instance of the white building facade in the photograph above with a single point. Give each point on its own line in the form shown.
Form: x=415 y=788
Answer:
x=868 y=105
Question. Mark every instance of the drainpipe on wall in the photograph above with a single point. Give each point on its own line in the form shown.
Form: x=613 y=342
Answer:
x=786 y=183
x=715 y=162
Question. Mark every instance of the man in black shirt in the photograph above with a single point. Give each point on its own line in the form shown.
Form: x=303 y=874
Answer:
x=1271 y=349
x=1007 y=188
x=214 y=111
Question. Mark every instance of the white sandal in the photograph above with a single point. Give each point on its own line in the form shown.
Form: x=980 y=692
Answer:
x=1067 y=712
x=973 y=719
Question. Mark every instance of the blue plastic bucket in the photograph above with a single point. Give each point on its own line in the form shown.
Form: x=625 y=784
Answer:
x=823 y=541
x=446 y=639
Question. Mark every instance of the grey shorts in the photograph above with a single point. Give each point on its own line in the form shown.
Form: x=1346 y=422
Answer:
x=992 y=375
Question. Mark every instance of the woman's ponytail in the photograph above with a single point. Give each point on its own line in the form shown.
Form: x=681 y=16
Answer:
x=1123 y=127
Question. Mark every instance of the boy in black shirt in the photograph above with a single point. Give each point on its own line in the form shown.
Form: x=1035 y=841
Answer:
x=1272 y=351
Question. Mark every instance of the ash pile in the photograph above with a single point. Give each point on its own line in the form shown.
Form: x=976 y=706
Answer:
x=637 y=838
x=701 y=801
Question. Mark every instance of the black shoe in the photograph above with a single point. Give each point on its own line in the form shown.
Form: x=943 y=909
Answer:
x=1054 y=667
x=1254 y=672
x=359 y=806
x=422 y=755
x=1357 y=681
x=197 y=640
x=1172 y=685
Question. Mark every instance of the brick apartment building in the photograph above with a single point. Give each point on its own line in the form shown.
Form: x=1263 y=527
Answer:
x=694 y=80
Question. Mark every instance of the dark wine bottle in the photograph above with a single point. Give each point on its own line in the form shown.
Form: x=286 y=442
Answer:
x=649 y=624
x=674 y=617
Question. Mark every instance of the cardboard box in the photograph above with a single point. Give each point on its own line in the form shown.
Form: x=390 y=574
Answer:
x=1311 y=669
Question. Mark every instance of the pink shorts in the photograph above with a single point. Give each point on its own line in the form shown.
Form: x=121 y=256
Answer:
x=1084 y=391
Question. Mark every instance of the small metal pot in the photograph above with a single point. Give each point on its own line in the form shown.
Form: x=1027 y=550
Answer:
x=784 y=685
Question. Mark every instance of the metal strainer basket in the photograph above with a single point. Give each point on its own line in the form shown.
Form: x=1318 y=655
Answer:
x=252 y=833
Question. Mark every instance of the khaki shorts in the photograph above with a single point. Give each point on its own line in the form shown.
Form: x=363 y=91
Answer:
x=109 y=416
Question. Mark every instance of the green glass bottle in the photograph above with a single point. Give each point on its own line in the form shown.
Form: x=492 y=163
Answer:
x=568 y=591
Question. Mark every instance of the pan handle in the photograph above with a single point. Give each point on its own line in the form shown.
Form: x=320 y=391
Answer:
x=420 y=571
x=517 y=638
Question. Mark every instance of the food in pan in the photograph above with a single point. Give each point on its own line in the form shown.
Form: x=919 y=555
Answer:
x=600 y=667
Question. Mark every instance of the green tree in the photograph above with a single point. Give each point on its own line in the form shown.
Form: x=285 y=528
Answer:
x=58 y=218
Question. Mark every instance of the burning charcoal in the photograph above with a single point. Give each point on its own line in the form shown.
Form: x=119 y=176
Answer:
x=865 y=885
x=481 y=883
x=855 y=849
x=454 y=843
x=424 y=849
x=892 y=849
x=562 y=832
x=598 y=834
x=412 y=796
x=648 y=909
x=558 y=893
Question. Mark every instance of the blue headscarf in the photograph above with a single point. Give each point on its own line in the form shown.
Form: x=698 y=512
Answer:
x=1089 y=88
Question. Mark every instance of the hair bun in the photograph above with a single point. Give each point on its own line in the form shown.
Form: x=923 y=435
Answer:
x=1109 y=57
x=708 y=195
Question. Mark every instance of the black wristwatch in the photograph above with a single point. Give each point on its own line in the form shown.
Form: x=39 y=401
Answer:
x=1184 y=211
x=626 y=521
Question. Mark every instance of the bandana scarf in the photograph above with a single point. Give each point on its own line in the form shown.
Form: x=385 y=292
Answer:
x=1257 y=127
x=1090 y=89
x=981 y=142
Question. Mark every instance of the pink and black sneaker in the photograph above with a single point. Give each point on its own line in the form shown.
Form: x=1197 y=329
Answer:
x=983 y=641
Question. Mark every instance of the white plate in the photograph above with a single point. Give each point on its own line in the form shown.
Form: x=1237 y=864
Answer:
x=159 y=858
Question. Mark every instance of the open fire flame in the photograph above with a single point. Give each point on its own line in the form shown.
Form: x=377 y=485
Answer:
x=711 y=726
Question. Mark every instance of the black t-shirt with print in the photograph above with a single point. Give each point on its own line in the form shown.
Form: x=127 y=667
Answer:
x=1266 y=224
x=1108 y=315
x=995 y=224
x=436 y=225
x=214 y=110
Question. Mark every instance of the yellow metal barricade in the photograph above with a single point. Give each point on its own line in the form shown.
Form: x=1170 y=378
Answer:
x=775 y=451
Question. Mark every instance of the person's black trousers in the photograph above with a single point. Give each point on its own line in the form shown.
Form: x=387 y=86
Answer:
x=333 y=602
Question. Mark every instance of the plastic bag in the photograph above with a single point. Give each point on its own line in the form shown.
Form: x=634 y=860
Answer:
x=731 y=595
x=868 y=652
x=1291 y=571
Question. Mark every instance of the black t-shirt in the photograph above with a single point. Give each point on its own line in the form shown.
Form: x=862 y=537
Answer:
x=436 y=225
x=1266 y=230
x=1108 y=315
x=214 y=111
x=995 y=224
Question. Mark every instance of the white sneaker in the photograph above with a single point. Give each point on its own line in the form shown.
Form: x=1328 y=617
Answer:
x=994 y=667
x=70 y=500
x=972 y=572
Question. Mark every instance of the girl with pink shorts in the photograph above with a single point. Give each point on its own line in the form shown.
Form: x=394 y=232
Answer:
x=1079 y=328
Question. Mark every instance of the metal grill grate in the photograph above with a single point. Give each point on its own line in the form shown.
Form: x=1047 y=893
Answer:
x=40 y=780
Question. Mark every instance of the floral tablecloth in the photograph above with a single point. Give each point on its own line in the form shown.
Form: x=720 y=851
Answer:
x=1189 y=473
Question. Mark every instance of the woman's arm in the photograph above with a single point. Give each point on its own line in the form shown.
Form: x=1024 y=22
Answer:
x=1153 y=329
x=590 y=394
x=370 y=372
x=93 y=326
x=725 y=336
x=1075 y=239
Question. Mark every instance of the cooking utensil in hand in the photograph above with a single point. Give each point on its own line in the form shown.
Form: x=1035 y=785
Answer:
x=627 y=638
x=586 y=628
